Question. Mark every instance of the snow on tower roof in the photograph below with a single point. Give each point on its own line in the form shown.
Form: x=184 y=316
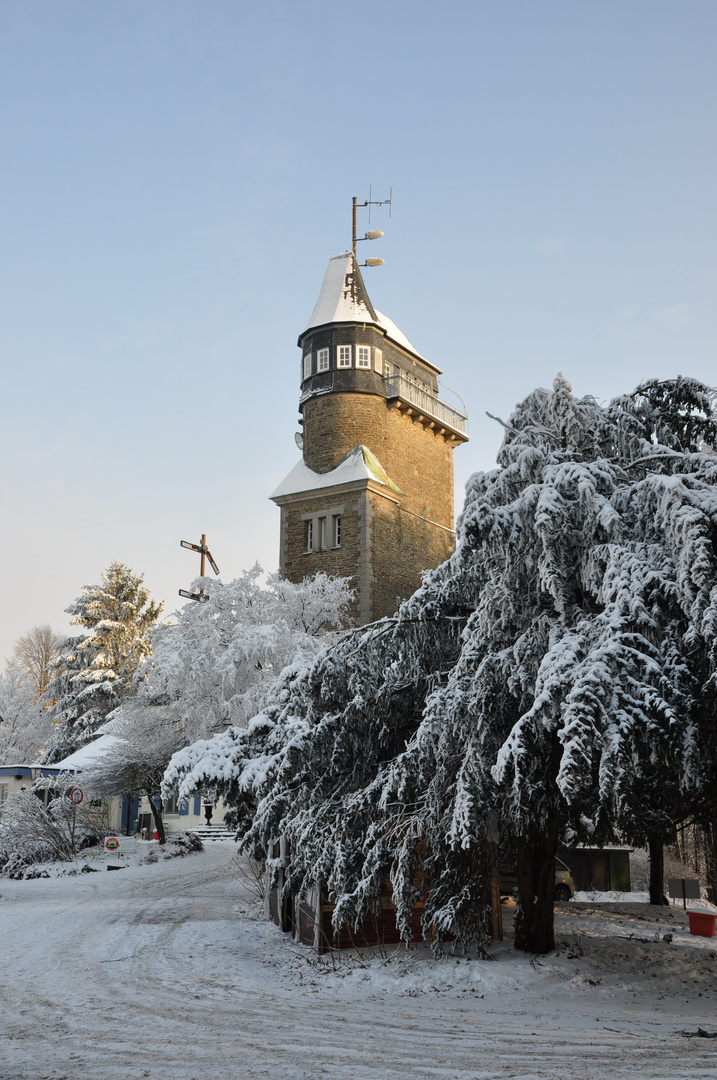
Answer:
x=343 y=298
x=359 y=464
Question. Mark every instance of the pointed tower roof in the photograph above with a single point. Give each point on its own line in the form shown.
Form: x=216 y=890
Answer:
x=343 y=299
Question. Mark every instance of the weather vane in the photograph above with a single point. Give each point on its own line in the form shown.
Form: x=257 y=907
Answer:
x=205 y=553
x=375 y=234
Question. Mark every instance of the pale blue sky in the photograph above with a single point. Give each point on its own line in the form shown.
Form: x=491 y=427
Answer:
x=175 y=173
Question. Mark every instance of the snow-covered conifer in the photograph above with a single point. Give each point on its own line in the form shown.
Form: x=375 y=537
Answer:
x=95 y=670
x=558 y=672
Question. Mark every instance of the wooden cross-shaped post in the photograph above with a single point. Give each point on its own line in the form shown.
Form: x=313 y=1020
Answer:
x=205 y=553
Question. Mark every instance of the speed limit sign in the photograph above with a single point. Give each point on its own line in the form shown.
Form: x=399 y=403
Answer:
x=76 y=796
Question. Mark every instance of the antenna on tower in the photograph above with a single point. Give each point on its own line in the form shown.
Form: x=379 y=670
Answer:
x=374 y=234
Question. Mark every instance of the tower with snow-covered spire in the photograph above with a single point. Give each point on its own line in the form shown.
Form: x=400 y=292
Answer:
x=372 y=497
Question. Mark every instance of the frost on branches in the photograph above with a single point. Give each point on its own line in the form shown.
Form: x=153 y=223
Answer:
x=25 y=725
x=95 y=670
x=556 y=675
x=214 y=662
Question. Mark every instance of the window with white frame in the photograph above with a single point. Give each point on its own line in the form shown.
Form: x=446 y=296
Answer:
x=170 y=805
x=322 y=360
x=323 y=529
x=343 y=356
x=4 y=788
x=378 y=360
x=307 y=365
x=363 y=356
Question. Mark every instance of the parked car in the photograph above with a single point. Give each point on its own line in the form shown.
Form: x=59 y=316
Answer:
x=564 y=884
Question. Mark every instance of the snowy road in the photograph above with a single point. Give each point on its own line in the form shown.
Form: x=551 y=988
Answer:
x=164 y=971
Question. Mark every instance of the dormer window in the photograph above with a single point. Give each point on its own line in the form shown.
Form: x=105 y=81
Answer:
x=363 y=356
x=343 y=356
x=307 y=365
x=322 y=360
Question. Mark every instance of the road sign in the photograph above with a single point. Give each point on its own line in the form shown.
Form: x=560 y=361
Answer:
x=76 y=796
x=193 y=595
x=192 y=547
x=112 y=843
x=684 y=889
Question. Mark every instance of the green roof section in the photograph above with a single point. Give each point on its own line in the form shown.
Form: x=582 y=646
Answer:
x=377 y=470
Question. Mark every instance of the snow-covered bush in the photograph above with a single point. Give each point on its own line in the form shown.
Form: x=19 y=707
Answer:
x=180 y=844
x=30 y=832
x=557 y=673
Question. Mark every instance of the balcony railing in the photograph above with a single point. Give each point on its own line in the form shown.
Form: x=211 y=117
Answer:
x=425 y=403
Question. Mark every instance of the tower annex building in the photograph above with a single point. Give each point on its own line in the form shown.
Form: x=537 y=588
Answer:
x=372 y=497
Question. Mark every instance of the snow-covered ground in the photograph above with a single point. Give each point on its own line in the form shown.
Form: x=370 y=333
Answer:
x=168 y=971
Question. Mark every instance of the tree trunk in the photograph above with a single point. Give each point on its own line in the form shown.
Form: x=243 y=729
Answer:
x=158 y=823
x=656 y=845
x=535 y=871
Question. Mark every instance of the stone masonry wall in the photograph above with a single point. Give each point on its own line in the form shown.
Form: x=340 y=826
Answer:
x=297 y=563
x=415 y=457
x=402 y=547
x=384 y=548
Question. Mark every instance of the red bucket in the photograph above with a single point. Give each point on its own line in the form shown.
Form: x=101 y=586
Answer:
x=702 y=923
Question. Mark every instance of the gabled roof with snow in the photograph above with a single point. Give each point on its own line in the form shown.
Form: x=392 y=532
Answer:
x=87 y=755
x=343 y=299
x=359 y=464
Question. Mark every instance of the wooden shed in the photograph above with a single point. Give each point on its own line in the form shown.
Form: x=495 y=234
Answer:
x=309 y=920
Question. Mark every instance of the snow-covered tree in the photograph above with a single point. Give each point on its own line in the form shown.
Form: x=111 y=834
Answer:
x=213 y=663
x=94 y=671
x=144 y=739
x=556 y=675
x=33 y=653
x=25 y=725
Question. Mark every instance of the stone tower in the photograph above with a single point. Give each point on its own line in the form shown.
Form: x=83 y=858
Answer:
x=372 y=497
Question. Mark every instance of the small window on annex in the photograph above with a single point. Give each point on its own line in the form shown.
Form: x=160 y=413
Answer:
x=307 y=365
x=337 y=530
x=322 y=360
x=363 y=356
x=343 y=356
x=309 y=535
x=4 y=788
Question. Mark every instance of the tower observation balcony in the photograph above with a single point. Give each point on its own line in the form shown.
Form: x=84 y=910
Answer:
x=425 y=407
